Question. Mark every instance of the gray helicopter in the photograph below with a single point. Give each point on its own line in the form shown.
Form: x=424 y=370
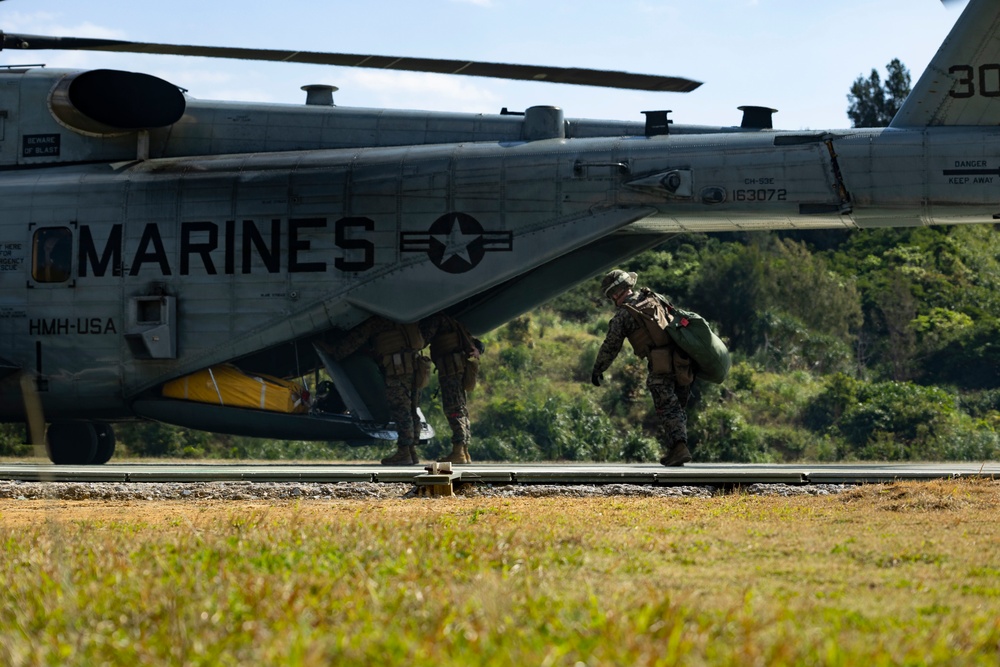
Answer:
x=189 y=261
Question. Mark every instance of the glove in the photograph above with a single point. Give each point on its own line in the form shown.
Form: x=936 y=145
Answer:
x=595 y=379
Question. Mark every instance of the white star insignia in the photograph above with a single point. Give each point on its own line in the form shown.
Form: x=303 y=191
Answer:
x=456 y=243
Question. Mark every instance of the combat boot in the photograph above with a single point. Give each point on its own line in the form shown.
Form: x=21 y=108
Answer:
x=677 y=456
x=405 y=455
x=459 y=454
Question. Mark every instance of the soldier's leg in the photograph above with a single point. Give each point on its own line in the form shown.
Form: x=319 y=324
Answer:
x=683 y=395
x=400 y=400
x=671 y=419
x=454 y=402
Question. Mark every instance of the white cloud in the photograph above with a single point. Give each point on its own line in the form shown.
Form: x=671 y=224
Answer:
x=86 y=29
x=21 y=22
x=47 y=23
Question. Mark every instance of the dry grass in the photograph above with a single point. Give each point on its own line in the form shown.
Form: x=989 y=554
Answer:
x=883 y=575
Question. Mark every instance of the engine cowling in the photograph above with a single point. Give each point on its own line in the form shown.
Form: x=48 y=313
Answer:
x=107 y=102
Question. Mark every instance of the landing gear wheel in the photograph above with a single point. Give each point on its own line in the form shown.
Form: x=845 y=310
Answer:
x=71 y=443
x=105 y=443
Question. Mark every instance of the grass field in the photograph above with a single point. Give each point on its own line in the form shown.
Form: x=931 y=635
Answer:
x=881 y=575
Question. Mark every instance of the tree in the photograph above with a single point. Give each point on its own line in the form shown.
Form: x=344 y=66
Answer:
x=898 y=308
x=874 y=105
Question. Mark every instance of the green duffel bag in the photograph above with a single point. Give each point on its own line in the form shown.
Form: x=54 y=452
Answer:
x=693 y=335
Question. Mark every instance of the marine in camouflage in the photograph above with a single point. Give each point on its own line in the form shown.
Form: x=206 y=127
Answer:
x=669 y=398
x=401 y=393
x=451 y=346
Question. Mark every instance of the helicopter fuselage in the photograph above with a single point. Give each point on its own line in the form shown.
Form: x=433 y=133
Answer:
x=244 y=232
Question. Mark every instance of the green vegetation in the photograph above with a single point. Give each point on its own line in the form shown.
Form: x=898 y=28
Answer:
x=848 y=346
x=882 y=575
x=873 y=104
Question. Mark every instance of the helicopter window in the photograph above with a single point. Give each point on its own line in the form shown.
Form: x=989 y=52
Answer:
x=52 y=253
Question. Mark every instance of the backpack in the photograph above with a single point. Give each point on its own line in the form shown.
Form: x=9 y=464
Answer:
x=689 y=331
x=693 y=335
x=650 y=311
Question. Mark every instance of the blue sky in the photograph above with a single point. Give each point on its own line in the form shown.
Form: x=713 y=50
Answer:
x=795 y=55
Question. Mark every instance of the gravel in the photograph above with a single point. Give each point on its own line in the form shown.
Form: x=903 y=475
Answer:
x=195 y=491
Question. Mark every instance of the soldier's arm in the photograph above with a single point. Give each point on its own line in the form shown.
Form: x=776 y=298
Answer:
x=612 y=345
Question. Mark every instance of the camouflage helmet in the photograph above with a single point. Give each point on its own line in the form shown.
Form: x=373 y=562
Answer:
x=617 y=280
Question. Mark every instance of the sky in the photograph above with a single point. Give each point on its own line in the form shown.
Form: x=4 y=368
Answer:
x=797 y=56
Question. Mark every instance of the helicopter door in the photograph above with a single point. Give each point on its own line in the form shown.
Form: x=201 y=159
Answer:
x=51 y=309
x=74 y=319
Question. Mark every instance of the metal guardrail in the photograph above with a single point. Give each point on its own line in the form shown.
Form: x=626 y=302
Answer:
x=502 y=473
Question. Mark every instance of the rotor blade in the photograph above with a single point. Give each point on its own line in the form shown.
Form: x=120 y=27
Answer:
x=570 y=75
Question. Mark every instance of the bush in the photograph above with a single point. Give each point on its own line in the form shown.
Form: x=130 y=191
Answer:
x=638 y=448
x=12 y=441
x=786 y=443
x=784 y=343
x=971 y=359
x=778 y=398
x=585 y=365
x=150 y=439
x=722 y=434
x=509 y=446
x=910 y=415
x=828 y=407
x=981 y=404
x=741 y=377
x=518 y=331
x=556 y=429
x=888 y=421
x=972 y=443
x=518 y=358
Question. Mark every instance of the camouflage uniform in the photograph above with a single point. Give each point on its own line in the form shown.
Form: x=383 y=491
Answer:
x=451 y=349
x=669 y=397
x=401 y=392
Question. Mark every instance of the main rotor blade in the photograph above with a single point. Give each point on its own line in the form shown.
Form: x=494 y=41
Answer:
x=571 y=75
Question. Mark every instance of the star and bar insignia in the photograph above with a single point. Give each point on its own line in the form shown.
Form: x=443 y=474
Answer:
x=456 y=242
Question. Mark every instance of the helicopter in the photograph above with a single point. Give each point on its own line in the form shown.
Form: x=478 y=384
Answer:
x=183 y=260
